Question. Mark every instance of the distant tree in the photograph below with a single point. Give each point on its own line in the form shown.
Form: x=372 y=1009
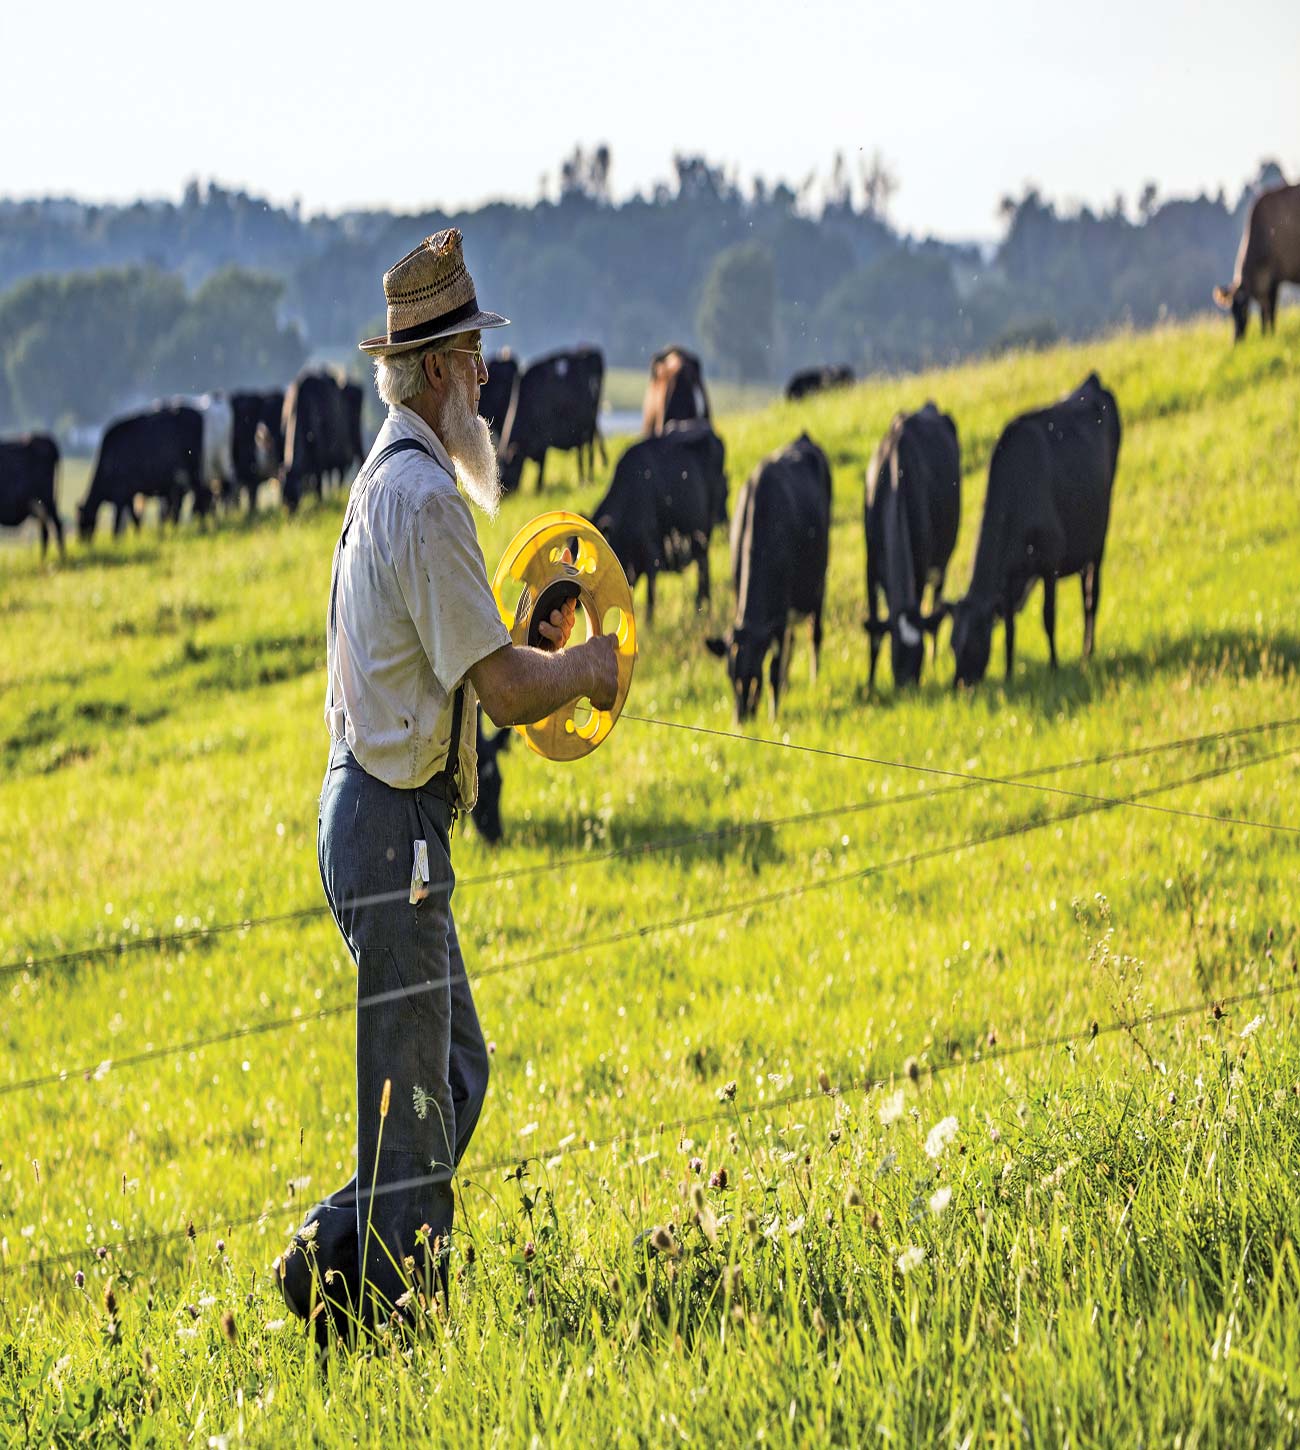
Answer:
x=737 y=313
x=1147 y=201
x=878 y=185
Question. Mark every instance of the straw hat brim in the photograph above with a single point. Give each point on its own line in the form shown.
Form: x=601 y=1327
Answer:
x=476 y=322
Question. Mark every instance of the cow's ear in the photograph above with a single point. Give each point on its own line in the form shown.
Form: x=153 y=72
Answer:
x=1223 y=296
x=716 y=646
x=876 y=628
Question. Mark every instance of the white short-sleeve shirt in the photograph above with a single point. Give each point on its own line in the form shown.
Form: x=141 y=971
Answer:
x=413 y=612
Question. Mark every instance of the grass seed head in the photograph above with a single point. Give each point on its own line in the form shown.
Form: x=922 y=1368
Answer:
x=228 y=1326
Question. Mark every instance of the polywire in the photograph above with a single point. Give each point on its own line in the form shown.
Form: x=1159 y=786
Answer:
x=753 y=903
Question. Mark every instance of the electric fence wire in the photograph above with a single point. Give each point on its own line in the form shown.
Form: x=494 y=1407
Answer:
x=1215 y=1010
x=98 y=1070
x=968 y=782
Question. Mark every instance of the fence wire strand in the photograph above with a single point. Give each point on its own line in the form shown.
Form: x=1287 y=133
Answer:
x=635 y=932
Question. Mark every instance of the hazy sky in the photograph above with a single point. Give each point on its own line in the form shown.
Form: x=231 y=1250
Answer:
x=343 y=104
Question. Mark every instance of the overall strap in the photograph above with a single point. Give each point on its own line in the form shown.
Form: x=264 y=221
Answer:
x=389 y=450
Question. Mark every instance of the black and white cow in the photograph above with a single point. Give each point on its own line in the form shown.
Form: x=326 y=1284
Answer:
x=667 y=495
x=1045 y=517
x=911 y=514
x=780 y=547
x=28 y=469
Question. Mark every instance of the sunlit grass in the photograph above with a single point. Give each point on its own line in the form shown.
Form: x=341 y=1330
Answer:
x=1116 y=1260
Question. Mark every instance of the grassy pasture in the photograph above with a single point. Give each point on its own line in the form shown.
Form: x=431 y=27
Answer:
x=1103 y=1253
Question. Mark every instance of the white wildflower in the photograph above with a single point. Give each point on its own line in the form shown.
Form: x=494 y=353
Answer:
x=528 y=1130
x=940 y=1199
x=938 y=1138
x=101 y=1072
x=1253 y=1025
x=308 y=1231
x=911 y=1258
x=273 y=1326
x=892 y=1108
x=794 y=1226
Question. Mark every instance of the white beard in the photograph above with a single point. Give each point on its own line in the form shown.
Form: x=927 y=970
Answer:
x=467 y=440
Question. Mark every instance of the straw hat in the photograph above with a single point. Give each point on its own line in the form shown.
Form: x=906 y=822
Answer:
x=430 y=295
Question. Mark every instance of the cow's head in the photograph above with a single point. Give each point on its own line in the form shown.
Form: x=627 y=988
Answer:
x=486 y=814
x=906 y=630
x=86 y=515
x=972 y=638
x=744 y=651
x=615 y=535
x=1237 y=301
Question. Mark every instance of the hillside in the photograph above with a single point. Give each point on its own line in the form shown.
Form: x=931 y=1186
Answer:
x=1116 y=1261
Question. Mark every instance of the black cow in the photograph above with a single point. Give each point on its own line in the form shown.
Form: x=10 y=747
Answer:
x=817 y=380
x=158 y=454
x=911 y=514
x=486 y=814
x=666 y=496
x=321 y=423
x=498 y=393
x=256 y=441
x=557 y=405
x=675 y=392
x=1045 y=517
x=28 y=469
x=780 y=546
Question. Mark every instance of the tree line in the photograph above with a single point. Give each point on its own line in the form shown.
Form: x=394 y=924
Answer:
x=103 y=306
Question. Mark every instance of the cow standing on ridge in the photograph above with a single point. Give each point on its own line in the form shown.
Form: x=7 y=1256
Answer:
x=1045 y=517
x=557 y=405
x=1269 y=255
x=157 y=454
x=818 y=380
x=675 y=392
x=28 y=469
x=780 y=547
x=912 y=513
x=667 y=495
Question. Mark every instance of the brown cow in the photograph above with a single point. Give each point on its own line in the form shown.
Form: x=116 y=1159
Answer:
x=675 y=391
x=1269 y=255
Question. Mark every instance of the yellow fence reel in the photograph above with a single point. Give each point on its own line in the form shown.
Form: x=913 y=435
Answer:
x=534 y=578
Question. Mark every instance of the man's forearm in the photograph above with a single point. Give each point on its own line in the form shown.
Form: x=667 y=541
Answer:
x=519 y=685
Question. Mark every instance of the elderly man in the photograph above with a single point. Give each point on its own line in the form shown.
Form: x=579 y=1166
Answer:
x=413 y=637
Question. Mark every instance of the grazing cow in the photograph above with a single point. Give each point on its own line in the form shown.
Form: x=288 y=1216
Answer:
x=666 y=496
x=157 y=454
x=1045 y=517
x=912 y=510
x=557 y=405
x=675 y=391
x=28 y=468
x=498 y=393
x=817 y=380
x=486 y=813
x=321 y=425
x=780 y=546
x=256 y=441
x=1269 y=255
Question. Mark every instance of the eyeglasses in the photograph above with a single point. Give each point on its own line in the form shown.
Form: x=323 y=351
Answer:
x=475 y=352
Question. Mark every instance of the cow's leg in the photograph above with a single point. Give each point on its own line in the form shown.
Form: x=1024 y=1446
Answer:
x=1268 y=311
x=649 y=597
x=1009 y=625
x=541 y=469
x=38 y=513
x=816 y=641
x=604 y=457
x=873 y=631
x=1091 y=581
x=1049 y=615
x=936 y=599
x=702 y=574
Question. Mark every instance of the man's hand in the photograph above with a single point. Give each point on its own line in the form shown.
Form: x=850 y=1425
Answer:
x=557 y=632
x=604 y=649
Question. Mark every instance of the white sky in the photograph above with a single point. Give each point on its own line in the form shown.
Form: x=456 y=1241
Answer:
x=343 y=104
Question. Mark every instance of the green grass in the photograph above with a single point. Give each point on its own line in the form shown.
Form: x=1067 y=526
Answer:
x=1117 y=1262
